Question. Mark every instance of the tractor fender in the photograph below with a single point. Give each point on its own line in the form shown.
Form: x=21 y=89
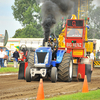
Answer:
x=60 y=54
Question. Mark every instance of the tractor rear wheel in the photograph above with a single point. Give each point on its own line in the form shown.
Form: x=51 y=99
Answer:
x=31 y=60
x=65 y=68
x=54 y=74
x=31 y=65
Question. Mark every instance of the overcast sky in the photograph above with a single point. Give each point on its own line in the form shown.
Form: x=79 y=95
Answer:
x=96 y=2
x=7 y=21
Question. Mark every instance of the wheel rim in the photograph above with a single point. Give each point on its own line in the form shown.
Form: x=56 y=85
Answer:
x=70 y=69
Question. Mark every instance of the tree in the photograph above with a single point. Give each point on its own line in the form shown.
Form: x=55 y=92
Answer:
x=94 y=14
x=30 y=31
x=58 y=29
x=23 y=11
x=27 y=13
x=18 y=33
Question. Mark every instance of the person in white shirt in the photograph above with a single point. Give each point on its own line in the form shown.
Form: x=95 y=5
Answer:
x=92 y=55
x=5 y=58
x=2 y=56
x=92 y=58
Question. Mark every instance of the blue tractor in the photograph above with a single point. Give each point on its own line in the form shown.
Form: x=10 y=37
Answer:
x=43 y=63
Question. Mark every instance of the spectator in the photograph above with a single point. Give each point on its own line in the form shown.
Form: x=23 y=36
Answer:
x=2 y=56
x=97 y=55
x=16 y=56
x=92 y=59
x=5 y=58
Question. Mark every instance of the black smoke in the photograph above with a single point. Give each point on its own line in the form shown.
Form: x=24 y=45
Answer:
x=47 y=24
x=53 y=10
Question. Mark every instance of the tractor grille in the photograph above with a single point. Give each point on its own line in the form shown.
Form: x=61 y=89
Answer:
x=41 y=56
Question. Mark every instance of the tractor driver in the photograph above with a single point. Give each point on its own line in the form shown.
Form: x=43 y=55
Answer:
x=49 y=41
x=76 y=33
x=54 y=45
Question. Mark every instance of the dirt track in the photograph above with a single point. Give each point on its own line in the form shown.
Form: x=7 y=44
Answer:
x=13 y=89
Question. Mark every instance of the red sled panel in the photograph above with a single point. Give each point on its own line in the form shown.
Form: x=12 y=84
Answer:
x=81 y=71
x=26 y=64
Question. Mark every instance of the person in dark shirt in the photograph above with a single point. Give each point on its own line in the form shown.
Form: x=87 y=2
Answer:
x=16 y=56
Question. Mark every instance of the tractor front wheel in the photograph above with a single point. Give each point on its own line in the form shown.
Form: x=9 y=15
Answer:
x=53 y=74
x=28 y=75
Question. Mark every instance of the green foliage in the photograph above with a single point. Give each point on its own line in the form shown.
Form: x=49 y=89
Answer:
x=23 y=11
x=27 y=13
x=18 y=33
x=30 y=31
x=58 y=29
x=28 y=16
x=94 y=14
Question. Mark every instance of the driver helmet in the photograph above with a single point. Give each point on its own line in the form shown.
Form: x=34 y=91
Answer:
x=54 y=39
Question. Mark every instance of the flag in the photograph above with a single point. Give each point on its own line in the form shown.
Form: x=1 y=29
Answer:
x=63 y=25
x=87 y=26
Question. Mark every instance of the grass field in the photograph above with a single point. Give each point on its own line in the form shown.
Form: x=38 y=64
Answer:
x=91 y=95
x=10 y=62
x=9 y=69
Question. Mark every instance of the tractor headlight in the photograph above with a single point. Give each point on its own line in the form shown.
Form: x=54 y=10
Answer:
x=36 y=61
x=46 y=58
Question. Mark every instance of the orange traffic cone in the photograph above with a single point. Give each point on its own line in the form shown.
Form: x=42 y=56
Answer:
x=40 y=94
x=85 y=85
